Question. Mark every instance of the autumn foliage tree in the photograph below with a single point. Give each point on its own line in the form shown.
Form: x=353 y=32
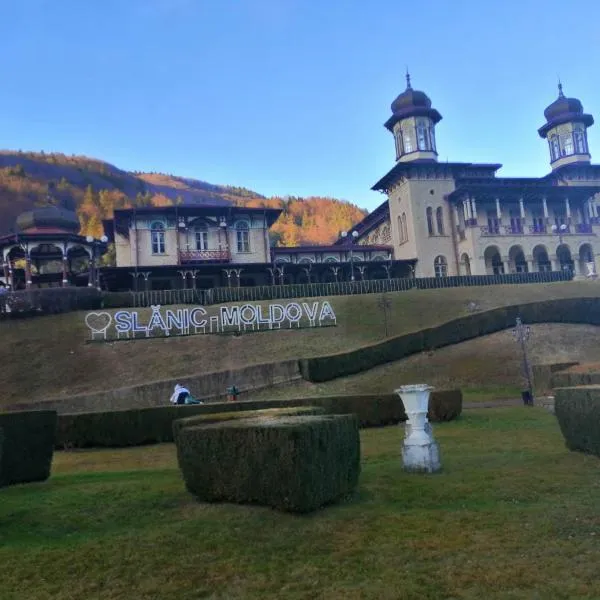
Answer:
x=95 y=189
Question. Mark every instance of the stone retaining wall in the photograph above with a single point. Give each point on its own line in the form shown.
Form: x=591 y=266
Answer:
x=207 y=386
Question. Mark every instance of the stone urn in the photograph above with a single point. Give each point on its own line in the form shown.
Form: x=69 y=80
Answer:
x=420 y=452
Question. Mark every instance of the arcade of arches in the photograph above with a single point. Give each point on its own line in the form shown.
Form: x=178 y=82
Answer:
x=540 y=260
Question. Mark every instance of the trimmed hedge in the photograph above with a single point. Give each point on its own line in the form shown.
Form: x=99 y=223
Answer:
x=578 y=413
x=567 y=379
x=295 y=464
x=27 y=446
x=566 y=310
x=139 y=426
x=48 y=301
x=136 y=427
x=245 y=414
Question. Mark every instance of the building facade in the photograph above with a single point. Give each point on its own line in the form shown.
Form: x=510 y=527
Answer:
x=207 y=246
x=461 y=219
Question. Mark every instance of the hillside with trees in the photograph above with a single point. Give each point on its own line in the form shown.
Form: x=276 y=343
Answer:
x=95 y=188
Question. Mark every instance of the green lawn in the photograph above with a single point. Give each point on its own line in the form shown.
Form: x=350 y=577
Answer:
x=513 y=515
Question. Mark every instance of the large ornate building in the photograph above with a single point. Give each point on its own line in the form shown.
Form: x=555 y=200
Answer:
x=206 y=246
x=461 y=219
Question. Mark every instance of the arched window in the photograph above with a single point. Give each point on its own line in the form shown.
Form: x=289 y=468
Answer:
x=400 y=230
x=305 y=261
x=157 y=237
x=429 y=220
x=201 y=235
x=440 y=266
x=466 y=263
x=422 y=135
x=554 y=147
x=432 y=137
x=242 y=232
x=439 y=217
x=579 y=137
x=331 y=259
x=404 y=227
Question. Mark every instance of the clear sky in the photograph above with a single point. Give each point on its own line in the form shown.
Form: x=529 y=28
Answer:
x=289 y=97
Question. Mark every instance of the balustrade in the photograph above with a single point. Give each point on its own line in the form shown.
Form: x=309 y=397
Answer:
x=196 y=256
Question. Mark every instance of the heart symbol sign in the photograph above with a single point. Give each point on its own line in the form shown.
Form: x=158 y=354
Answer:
x=98 y=322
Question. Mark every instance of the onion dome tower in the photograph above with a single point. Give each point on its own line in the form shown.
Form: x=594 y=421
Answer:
x=413 y=125
x=566 y=131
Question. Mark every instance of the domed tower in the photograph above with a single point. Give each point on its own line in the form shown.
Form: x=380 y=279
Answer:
x=413 y=125
x=566 y=131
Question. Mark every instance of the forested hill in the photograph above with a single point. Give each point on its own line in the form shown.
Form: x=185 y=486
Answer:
x=94 y=188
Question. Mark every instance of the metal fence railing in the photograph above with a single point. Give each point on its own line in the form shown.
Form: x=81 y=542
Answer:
x=341 y=288
x=55 y=300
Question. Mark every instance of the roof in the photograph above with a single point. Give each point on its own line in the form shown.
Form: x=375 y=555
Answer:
x=332 y=248
x=51 y=236
x=400 y=169
x=372 y=220
x=564 y=110
x=528 y=189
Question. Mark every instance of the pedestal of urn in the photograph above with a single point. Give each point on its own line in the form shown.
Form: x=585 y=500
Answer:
x=420 y=452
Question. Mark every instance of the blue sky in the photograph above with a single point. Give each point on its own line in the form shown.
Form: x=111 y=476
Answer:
x=289 y=96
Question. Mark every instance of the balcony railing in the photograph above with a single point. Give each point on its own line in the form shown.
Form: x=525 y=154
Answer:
x=535 y=229
x=203 y=256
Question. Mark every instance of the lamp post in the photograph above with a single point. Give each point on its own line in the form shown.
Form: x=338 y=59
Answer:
x=559 y=230
x=353 y=238
x=94 y=279
x=521 y=334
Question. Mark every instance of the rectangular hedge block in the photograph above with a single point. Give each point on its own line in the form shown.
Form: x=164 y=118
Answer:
x=246 y=414
x=295 y=464
x=27 y=446
x=578 y=413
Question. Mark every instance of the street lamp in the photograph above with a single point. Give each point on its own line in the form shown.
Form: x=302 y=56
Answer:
x=559 y=229
x=521 y=334
x=94 y=279
x=353 y=238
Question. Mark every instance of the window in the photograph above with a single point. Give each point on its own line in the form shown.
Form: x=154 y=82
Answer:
x=422 y=135
x=408 y=143
x=580 y=146
x=398 y=138
x=400 y=230
x=439 y=217
x=440 y=266
x=404 y=227
x=201 y=238
x=432 y=136
x=567 y=142
x=554 y=147
x=331 y=259
x=157 y=236
x=243 y=236
x=430 y=220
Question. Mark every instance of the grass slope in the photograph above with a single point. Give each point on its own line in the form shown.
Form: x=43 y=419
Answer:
x=513 y=516
x=48 y=356
x=486 y=368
